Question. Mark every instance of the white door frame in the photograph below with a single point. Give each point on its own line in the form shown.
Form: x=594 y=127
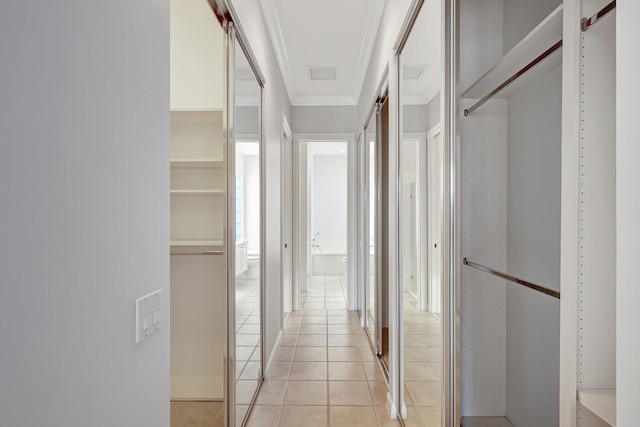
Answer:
x=299 y=138
x=287 y=246
x=421 y=221
x=433 y=299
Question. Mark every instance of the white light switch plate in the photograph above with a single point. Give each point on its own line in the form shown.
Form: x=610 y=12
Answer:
x=148 y=315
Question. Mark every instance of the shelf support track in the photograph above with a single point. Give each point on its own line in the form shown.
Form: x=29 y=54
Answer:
x=529 y=285
x=513 y=78
x=585 y=23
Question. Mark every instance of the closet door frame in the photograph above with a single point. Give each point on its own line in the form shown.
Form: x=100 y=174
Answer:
x=233 y=32
x=451 y=259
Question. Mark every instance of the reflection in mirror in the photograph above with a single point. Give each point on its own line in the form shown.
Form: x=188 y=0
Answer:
x=371 y=232
x=248 y=232
x=421 y=168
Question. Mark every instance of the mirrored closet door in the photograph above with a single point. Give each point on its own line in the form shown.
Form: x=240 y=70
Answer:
x=420 y=182
x=245 y=223
x=376 y=284
x=371 y=157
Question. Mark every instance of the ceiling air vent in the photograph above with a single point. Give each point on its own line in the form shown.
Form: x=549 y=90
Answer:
x=413 y=72
x=322 y=73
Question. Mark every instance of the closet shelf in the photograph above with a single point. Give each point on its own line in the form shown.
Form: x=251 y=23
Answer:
x=600 y=401
x=541 y=38
x=194 y=116
x=203 y=192
x=188 y=246
x=196 y=164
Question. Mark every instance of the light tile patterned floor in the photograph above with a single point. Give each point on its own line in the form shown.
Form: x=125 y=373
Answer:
x=422 y=365
x=324 y=372
x=197 y=414
x=247 y=337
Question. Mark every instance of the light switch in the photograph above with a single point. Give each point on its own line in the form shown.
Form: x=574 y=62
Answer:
x=148 y=315
x=157 y=311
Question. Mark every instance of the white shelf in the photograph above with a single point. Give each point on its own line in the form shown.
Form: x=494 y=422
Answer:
x=196 y=110
x=195 y=243
x=203 y=192
x=600 y=401
x=187 y=247
x=541 y=38
x=196 y=117
x=196 y=164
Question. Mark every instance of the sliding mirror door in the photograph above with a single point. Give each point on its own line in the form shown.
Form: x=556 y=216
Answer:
x=371 y=232
x=421 y=218
x=246 y=231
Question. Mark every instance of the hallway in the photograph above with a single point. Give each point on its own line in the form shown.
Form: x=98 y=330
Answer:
x=324 y=372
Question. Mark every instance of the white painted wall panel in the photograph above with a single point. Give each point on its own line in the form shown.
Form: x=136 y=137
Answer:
x=480 y=38
x=84 y=114
x=196 y=57
x=597 y=254
x=484 y=229
x=628 y=212
x=522 y=16
x=533 y=251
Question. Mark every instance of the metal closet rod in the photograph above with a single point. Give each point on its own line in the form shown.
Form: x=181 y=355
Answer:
x=588 y=22
x=529 y=285
x=517 y=75
x=199 y=253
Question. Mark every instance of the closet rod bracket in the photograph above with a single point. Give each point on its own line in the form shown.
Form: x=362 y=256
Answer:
x=585 y=23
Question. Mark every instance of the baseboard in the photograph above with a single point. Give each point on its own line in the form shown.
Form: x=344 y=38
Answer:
x=272 y=355
x=208 y=388
x=393 y=409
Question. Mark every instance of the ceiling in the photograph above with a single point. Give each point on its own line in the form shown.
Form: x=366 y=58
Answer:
x=328 y=33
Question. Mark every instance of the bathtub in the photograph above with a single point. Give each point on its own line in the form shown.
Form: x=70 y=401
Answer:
x=329 y=264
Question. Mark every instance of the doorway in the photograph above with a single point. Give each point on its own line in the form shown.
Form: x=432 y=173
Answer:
x=321 y=263
x=288 y=250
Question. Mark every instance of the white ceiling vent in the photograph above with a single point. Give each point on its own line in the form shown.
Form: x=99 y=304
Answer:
x=413 y=72
x=244 y=74
x=322 y=73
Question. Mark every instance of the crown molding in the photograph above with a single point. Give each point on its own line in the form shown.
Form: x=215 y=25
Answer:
x=270 y=14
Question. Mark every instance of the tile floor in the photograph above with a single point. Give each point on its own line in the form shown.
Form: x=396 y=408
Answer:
x=324 y=372
x=197 y=414
x=247 y=337
x=421 y=365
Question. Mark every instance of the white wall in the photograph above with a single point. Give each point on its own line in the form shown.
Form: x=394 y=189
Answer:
x=276 y=102
x=522 y=16
x=421 y=118
x=628 y=212
x=481 y=38
x=252 y=203
x=84 y=115
x=324 y=119
x=196 y=60
x=329 y=202
x=533 y=251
